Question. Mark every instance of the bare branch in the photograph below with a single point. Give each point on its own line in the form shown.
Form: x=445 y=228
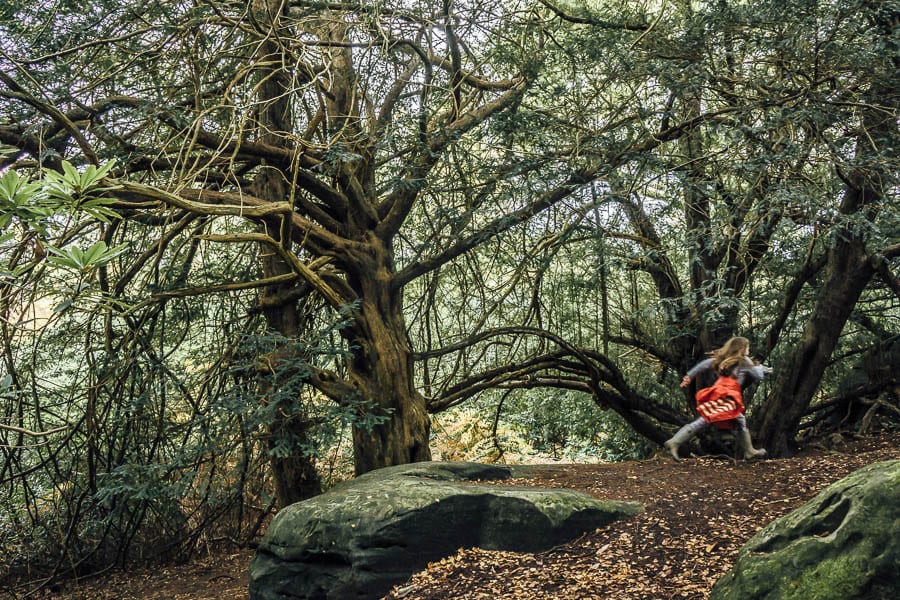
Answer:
x=34 y=434
x=329 y=293
x=588 y=20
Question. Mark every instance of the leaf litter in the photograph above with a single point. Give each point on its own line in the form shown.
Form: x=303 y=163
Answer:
x=697 y=513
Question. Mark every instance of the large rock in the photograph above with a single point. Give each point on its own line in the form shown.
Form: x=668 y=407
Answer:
x=361 y=538
x=843 y=544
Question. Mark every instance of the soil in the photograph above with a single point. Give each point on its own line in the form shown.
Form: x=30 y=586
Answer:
x=698 y=513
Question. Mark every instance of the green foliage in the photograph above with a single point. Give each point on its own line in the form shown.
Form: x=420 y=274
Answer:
x=166 y=424
x=133 y=487
x=554 y=424
x=85 y=261
x=31 y=201
x=20 y=198
x=271 y=372
x=77 y=191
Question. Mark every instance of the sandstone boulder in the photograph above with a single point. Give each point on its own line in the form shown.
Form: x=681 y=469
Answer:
x=365 y=536
x=843 y=544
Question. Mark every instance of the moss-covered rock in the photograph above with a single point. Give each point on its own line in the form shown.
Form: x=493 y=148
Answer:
x=363 y=537
x=844 y=544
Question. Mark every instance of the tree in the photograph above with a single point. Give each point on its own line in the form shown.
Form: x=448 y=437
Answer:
x=340 y=170
x=389 y=151
x=264 y=107
x=852 y=261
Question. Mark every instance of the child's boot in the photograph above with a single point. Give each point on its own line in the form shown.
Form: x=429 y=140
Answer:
x=680 y=437
x=749 y=450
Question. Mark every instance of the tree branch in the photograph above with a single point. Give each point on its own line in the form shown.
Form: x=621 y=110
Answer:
x=588 y=20
x=563 y=190
x=31 y=433
x=881 y=263
x=395 y=208
x=18 y=92
x=329 y=293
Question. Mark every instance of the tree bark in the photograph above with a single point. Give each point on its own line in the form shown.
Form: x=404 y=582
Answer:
x=295 y=474
x=848 y=273
x=381 y=370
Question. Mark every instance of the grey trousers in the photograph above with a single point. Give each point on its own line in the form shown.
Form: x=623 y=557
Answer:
x=699 y=424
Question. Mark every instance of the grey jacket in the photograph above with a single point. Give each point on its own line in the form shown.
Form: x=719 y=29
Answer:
x=746 y=372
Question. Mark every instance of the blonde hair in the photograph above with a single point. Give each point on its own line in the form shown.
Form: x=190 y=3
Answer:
x=730 y=355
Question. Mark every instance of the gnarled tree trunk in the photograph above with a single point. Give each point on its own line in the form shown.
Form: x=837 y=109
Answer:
x=798 y=377
x=381 y=370
x=849 y=268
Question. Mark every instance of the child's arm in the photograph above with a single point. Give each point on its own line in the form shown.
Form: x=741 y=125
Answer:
x=755 y=371
x=701 y=366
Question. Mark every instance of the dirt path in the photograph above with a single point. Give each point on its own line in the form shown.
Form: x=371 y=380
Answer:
x=698 y=513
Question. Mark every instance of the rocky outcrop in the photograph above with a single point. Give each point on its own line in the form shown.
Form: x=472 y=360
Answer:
x=361 y=538
x=844 y=543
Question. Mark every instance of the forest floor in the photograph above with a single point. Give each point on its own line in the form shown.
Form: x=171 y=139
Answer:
x=698 y=513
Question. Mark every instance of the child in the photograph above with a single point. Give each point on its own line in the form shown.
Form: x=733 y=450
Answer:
x=723 y=401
